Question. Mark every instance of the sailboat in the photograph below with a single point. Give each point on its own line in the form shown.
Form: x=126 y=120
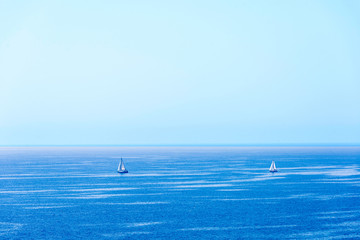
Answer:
x=273 y=167
x=121 y=167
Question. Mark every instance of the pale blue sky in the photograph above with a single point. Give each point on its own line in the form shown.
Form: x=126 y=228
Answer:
x=179 y=72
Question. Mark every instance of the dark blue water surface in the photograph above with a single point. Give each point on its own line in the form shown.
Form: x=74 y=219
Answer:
x=179 y=193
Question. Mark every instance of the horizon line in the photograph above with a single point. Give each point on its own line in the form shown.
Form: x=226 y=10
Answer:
x=192 y=145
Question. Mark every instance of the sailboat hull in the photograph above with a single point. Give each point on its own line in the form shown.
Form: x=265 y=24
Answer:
x=125 y=171
x=273 y=170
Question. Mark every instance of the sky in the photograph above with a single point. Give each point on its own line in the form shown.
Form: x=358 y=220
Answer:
x=179 y=72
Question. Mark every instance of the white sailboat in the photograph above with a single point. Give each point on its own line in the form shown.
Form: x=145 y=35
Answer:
x=273 y=167
x=121 y=167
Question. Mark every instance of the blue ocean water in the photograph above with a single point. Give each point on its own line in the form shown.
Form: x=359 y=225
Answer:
x=179 y=193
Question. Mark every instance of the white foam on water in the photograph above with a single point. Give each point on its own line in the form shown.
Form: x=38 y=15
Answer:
x=304 y=195
x=310 y=167
x=170 y=174
x=260 y=178
x=216 y=168
x=181 y=189
x=275 y=226
x=15 y=204
x=66 y=190
x=252 y=199
x=176 y=183
x=340 y=212
x=329 y=234
x=349 y=171
x=101 y=189
x=351 y=181
x=97 y=196
x=27 y=191
x=313 y=234
x=9 y=227
x=334 y=171
x=131 y=203
x=234 y=228
x=237 y=199
x=125 y=234
x=46 y=207
x=202 y=186
x=338 y=216
x=231 y=190
x=329 y=197
x=142 y=224
x=345 y=224
x=92 y=224
x=178 y=178
x=345 y=236
x=209 y=229
x=51 y=177
x=144 y=203
x=307 y=195
x=93 y=184
x=23 y=174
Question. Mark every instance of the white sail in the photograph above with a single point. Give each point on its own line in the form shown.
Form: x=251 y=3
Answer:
x=272 y=167
x=121 y=167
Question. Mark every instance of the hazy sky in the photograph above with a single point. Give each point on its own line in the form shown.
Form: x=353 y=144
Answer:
x=179 y=72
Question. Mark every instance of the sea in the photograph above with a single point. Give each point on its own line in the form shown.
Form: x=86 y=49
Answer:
x=179 y=193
